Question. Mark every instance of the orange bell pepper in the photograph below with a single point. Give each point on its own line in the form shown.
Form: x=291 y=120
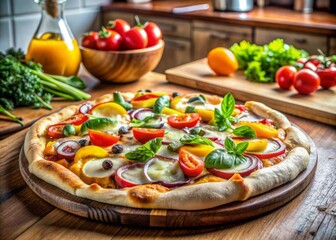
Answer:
x=262 y=130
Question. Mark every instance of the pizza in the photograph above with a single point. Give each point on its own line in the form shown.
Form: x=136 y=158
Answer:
x=162 y=150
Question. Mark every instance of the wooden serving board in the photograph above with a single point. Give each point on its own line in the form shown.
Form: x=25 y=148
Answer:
x=320 y=106
x=225 y=214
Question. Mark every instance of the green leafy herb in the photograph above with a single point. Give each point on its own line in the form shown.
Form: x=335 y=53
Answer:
x=226 y=158
x=69 y=130
x=197 y=131
x=101 y=124
x=190 y=109
x=146 y=151
x=160 y=103
x=147 y=122
x=244 y=131
x=188 y=140
x=197 y=99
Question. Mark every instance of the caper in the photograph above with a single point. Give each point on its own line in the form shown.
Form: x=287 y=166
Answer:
x=107 y=164
x=117 y=148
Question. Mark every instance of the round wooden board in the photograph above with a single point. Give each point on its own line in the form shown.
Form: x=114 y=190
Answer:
x=170 y=218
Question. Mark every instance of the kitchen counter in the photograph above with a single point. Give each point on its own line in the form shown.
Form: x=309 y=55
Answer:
x=312 y=214
x=268 y=17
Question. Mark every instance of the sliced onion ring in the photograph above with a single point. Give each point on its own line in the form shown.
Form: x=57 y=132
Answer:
x=85 y=108
x=123 y=182
x=180 y=182
x=68 y=149
x=281 y=149
x=253 y=164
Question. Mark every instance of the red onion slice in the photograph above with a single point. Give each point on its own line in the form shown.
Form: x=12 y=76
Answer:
x=68 y=149
x=123 y=180
x=281 y=149
x=143 y=113
x=85 y=108
x=253 y=164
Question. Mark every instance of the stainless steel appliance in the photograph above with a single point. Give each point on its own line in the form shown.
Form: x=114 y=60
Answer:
x=232 y=5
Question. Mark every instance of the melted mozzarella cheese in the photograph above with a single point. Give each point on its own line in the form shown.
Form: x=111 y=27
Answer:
x=166 y=171
x=135 y=175
x=94 y=168
x=183 y=103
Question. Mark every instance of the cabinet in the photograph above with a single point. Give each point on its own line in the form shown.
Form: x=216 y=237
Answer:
x=107 y=16
x=332 y=49
x=207 y=36
x=308 y=42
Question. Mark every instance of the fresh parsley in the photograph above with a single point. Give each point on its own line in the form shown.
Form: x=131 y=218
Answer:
x=226 y=158
x=146 y=151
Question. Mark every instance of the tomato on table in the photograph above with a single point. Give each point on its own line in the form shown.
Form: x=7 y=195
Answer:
x=90 y=40
x=77 y=119
x=109 y=40
x=119 y=25
x=143 y=135
x=327 y=77
x=222 y=61
x=306 y=81
x=191 y=165
x=56 y=130
x=154 y=33
x=136 y=38
x=285 y=76
x=188 y=120
x=102 y=139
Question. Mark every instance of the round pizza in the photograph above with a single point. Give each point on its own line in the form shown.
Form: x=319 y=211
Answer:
x=165 y=150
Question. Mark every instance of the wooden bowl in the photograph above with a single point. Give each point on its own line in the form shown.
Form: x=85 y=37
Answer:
x=121 y=66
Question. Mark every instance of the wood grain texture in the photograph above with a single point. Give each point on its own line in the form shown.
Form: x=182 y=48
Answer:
x=320 y=106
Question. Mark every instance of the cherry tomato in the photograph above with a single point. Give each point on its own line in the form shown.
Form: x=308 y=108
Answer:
x=241 y=108
x=191 y=165
x=102 y=139
x=327 y=77
x=90 y=40
x=188 y=120
x=119 y=25
x=314 y=60
x=145 y=97
x=56 y=130
x=306 y=81
x=310 y=65
x=109 y=40
x=153 y=32
x=285 y=76
x=267 y=121
x=136 y=38
x=143 y=135
x=77 y=119
x=222 y=61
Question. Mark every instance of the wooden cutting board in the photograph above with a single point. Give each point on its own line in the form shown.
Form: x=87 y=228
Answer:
x=320 y=106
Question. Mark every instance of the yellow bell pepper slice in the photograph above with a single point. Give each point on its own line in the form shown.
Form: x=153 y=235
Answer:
x=108 y=109
x=206 y=114
x=50 y=148
x=174 y=103
x=198 y=150
x=170 y=111
x=255 y=145
x=90 y=151
x=262 y=130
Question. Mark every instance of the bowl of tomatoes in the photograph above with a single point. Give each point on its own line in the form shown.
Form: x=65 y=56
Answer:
x=120 y=53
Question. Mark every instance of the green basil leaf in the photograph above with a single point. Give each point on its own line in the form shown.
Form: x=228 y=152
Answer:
x=227 y=105
x=220 y=121
x=230 y=145
x=160 y=103
x=190 y=109
x=154 y=144
x=174 y=146
x=241 y=147
x=244 y=131
x=101 y=124
x=239 y=159
x=219 y=159
x=146 y=122
x=141 y=154
x=195 y=139
x=197 y=131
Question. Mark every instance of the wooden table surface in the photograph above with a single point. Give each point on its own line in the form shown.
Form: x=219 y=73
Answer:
x=312 y=214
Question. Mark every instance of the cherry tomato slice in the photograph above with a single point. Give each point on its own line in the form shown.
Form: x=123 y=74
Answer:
x=188 y=120
x=145 y=97
x=143 y=135
x=56 y=130
x=102 y=139
x=191 y=165
x=77 y=119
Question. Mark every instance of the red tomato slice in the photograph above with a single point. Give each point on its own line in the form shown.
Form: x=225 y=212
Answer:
x=102 y=139
x=188 y=120
x=143 y=135
x=56 y=130
x=191 y=165
x=77 y=119
x=145 y=97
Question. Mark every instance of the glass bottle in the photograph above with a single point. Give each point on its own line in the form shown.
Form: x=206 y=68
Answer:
x=53 y=45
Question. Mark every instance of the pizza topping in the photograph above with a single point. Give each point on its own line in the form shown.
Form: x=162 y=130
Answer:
x=148 y=122
x=107 y=164
x=84 y=109
x=77 y=119
x=255 y=144
x=102 y=139
x=191 y=165
x=144 y=101
x=275 y=147
x=189 y=140
x=107 y=110
x=160 y=103
x=200 y=99
x=90 y=151
x=262 y=130
x=188 y=120
x=131 y=175
x=119 y=99
x=56 y=130
x=143 y=135
x=165 y=171
x=102 y=167
x=68 y=149
x=123 y=130
x=142 y=113
x=101 y=124
x=69 y=130
x=146 y=151
x=117 y=148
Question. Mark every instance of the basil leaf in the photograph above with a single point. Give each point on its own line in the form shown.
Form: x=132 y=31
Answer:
x=154 y=144
x=244 y=131
x=146 y=122
x=227 y=106
x=190 y=109
x=219 y=159
x=146 y=151
x=241 y=147
x=160 y=103
x=230 y=145
x=101 y=124
x=220 y=121
x=174 y=146
x=239 y=159
x=197 y=131
x=195 y=139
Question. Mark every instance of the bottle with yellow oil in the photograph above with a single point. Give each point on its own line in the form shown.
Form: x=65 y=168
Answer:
x=53 y=45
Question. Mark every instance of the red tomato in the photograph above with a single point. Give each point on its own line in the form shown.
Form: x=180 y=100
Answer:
x=143 y=135
x=191 y=165
x=136 y=38
x=109 y=40
x=102 y=139
x=306 y=81
x=56 y=130
x=188 y=120
x=285 y=76
x=242 y=108
x=153 y=32
x=119 y=25
x=314 y=60
x=327 y=77
x=90 y=40
x=77 y=119
x=310 y=65
x=145 y=97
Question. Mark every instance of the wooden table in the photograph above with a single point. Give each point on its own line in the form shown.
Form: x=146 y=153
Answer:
x=312 y=214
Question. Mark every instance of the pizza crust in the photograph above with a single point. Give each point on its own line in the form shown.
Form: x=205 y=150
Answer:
x=197 y=196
